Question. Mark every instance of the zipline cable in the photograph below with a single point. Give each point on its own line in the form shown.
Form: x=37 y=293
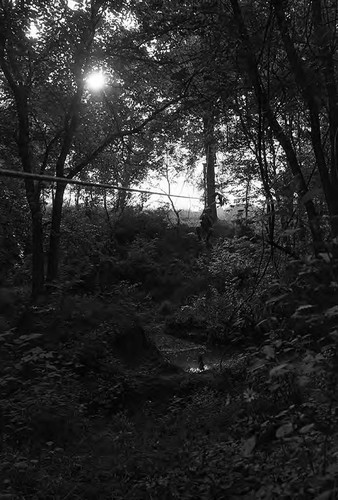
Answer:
x=65 y=180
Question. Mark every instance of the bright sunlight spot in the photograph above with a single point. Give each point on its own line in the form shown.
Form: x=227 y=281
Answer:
x=72 y=5
x=96 y=81
x=33 y=30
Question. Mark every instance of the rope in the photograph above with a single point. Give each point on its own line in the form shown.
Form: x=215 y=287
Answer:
x=64 y=180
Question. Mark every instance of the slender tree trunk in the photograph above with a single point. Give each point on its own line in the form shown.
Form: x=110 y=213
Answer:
x=21 y=92
x=174 y=209
x=33 y=192
x=77 y=196
x=122 y=197
x=71 y=125
x=38 y=273
x=55 y=234
x=263 y=167
x=312 y=101
x=326 y=47
x=210 y=155
x=302 y=189
x=247 y=192
x=282 y=138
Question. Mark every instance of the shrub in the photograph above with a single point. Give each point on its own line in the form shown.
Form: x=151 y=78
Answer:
x=82 y=236
x=133 y=224
x=233 y=262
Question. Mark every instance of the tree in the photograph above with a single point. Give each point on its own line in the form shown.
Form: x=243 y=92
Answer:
x=318 y=88
x=44 y=76
x=252 y=71
x=188 y=41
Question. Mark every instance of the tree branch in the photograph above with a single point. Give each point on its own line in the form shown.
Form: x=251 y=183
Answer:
x=118 y=135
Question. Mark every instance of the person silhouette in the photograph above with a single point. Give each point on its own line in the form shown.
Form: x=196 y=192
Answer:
x=204 y=230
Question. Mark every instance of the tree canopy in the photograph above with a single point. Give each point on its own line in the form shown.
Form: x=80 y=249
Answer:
x=219 y=77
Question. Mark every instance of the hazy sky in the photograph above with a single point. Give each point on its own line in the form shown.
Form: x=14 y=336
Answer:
x=180 y=187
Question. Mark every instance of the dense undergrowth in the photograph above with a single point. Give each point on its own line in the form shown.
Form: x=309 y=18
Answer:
x=90 y=409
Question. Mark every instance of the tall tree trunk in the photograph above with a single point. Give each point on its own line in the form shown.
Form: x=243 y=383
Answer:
x=123 y=196
x=38 y=272
x=71 y=125
x=312 y=101
x=264 y=171
x=210 y=156
x=21 y=95
x=9 y=42
x=280 y=135
x=33 y=192
x=55 y=234
x=326 y=47
x=247 y=193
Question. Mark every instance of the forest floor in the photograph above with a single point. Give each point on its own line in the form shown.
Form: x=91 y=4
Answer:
x=185 y=353
x=147 y=429
x=101 y=395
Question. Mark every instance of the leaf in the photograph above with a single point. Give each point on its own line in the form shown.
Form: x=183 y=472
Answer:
x=334 y=335
x=279 y=370
x=282 y=413
x=248 y=446
x=311 y=194
x=290 y=232
x=7 y=333
x=284 y=430
x=333 y=311
x=277 y=299
x=327 y=257
x=257 y=365
x=32 y=336
x=269 y=351
x=301 y=310
x=306 y=428
x=305 y=307
x=326 y=495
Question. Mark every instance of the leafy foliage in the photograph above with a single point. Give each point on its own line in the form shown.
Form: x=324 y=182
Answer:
x=111 y=409
x=89 y=408
x=233 y=262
